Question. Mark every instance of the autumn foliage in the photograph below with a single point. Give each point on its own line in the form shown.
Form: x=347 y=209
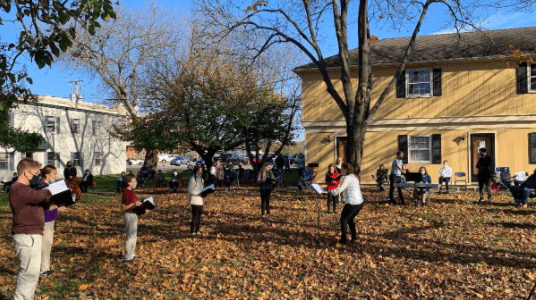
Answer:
x=451 y=249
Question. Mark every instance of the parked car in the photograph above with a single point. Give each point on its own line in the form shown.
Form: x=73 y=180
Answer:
x=194 y=162
x=163 y=158
x=230 y=158
x=180 y=160
x=134 y=161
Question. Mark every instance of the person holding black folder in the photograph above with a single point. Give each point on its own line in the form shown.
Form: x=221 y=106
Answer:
x=49 y=174
x=28 y=222
x=129 y=203
x=195 y=195
x=265 y=178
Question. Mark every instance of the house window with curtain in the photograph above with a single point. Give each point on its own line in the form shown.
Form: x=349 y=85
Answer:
x=419 y=150
x=76 y=126
x=419 y=83
x=51 y=158
x=50 y=124
x=77 y=157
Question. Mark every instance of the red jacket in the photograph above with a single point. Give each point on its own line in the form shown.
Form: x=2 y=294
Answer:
x=332 y=180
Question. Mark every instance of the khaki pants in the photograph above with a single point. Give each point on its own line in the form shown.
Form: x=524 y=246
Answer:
x=28 y=247
x=48 y=235
x=131 y=230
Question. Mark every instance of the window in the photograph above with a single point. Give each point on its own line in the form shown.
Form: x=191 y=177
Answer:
x=50 y=124
x=98 y=158
x=420 y=149
x=419 y=83
x=51 y=158
x=4 y=161
x=531 y=76
x=96 y=127
x=531 y=145
x=76 y=126
x=77 y=157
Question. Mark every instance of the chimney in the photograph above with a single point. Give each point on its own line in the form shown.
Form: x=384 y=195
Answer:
x=373 y=39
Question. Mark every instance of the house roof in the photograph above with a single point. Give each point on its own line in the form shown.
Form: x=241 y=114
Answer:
x=444 y=47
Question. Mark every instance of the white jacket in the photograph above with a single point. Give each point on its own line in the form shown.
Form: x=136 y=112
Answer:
x=195 y=187
x=351 y=186
x=445 y=172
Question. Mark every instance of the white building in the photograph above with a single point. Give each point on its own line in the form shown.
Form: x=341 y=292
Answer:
x=77 y=132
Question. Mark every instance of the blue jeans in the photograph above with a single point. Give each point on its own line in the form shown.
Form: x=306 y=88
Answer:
x=442 y=180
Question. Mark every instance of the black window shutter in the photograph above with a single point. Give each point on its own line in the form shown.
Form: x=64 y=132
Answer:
x=522 y=78
x=401 y=85
x=403 y=146
x=437 y=148
x=437 y=82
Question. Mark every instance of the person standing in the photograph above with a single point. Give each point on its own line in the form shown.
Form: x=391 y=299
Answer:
x=396 y=172
x=87 y=179
x=195 y=189
x=301 y=164
x=71 y=179
x=484 y=176
x=28 y=223
x=265 y=178
x=287 y=164
x=444 y=176
x=49 y=175
x=332 y=182
x=280 y=164
x=129 y=202
x=350 y=186
x=339 y=162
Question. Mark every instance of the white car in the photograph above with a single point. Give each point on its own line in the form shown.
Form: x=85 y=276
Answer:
x=134 y=161
x=180 y=160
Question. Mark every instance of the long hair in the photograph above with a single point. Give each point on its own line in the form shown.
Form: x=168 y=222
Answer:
x=330 y=166
x=350 y=170
x=195 y=173
x=422 y=167
x=262 y=175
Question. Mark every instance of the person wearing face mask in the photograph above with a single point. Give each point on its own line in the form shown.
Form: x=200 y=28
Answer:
x=422 y=193
x=350 y=187
x=484 y=176
x=381 y=177
x=444 y=176
x=49 y=174
x=175 y=181
x=87 y=179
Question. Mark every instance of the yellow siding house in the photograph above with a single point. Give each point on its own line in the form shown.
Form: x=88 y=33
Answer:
x=457 y=94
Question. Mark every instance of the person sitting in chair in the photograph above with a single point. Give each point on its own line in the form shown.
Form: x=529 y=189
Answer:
x=159 y=178
x=119 y=183
x=87 y=179
x=175 y=181
x=422 y=193
x=444 y=176
x=381 y=177
x=7 y=184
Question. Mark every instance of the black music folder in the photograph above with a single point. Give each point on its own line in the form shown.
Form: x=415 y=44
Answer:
x=147 y=203
x=61 y=194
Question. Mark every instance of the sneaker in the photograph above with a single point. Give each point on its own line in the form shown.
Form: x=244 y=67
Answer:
x=128 y=261
x=46 y=273
x=193 y=234
x=198 y=233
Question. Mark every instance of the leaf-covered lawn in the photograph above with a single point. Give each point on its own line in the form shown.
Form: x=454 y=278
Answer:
x=451 y=249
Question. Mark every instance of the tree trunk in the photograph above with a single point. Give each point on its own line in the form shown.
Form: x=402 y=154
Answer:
x=151 y=161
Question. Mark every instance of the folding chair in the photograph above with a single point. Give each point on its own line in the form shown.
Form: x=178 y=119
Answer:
x=235 y=178
x=456 y=179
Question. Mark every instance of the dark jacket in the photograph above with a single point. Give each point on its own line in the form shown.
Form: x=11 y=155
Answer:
x=267 y=184
x=280 y=162
x=484 y=165
x=89 y=179
x=71 y=171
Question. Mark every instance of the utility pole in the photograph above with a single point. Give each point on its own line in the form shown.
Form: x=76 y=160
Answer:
x=76 y=81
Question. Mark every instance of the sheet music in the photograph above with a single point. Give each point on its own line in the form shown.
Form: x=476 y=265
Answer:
x=150 y=200
x=317 y=188
x=210 y=187
x=57 y=187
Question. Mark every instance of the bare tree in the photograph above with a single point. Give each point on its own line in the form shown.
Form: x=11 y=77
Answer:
x=120 y=51
x=271 y=23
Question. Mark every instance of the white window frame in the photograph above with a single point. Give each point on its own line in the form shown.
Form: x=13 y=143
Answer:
x=55 y=156
x=6 y=161
x=77 y=123
x=407 y=83
x=50 y=120
x=410 y=160
x=98 y=158
x=77 y=162
x=96 y=127
x=530 y=90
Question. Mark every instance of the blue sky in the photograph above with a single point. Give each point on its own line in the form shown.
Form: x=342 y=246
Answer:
x=55 y=81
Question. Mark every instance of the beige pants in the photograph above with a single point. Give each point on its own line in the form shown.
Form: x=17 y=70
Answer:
x=28 y=247
x=131 y=230
x=48 y=235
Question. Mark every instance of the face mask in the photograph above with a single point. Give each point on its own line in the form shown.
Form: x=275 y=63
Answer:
x=33 y=179
x=482 y=154
x=382 y=168
x=422 y=172
x=174 y=173
x=445 y=165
